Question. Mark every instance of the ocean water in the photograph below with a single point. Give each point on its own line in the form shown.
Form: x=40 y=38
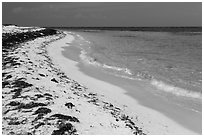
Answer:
x=169 y=61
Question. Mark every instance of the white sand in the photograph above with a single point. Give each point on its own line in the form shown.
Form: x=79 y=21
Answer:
x=151 y=121
x=90 y=113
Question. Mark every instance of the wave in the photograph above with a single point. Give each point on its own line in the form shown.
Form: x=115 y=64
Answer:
x=92 y=61
x=140 y=76
x=175 y=90
x=87 y=59
x=125 y=70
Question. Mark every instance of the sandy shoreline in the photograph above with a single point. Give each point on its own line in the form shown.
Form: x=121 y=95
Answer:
x=39 y=99
x=44 y=92
x=151 y=121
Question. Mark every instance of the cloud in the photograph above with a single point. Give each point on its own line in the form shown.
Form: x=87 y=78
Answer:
x=129 y=14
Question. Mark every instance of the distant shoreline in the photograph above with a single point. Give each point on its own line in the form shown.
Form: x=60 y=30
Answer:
x=154 y=29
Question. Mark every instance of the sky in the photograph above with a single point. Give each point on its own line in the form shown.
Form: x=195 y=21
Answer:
x=95 y=14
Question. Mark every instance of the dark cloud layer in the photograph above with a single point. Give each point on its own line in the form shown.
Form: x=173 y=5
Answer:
x=102 y=14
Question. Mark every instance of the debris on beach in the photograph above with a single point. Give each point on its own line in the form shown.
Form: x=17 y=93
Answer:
x=39 y=99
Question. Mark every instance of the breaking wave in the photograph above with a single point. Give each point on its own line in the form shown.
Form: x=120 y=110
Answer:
x=92 y=61
x=129 y=75
x=175 y=90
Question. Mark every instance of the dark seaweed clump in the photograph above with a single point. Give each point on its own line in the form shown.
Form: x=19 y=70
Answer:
x=65 y=117
x=69 y=105
x=43 y=110
x=11 y=41
x=65 y=129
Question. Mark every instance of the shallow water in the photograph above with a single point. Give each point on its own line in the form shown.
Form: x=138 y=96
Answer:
x=172 y=62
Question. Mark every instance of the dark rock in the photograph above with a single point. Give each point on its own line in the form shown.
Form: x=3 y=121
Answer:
x=9 y=76
x=54 y=80
x=17 y=93
x=43 y=110
x=111 y=105
x=130 y=121
x=124 y=117
x=128 y=125
x=39 y=95
x=92 y=94
x=94 y=100
x=39 y=124
x=49 y=98
x=47 y=94
x=6 y=111
x=138 y=131
x=21 y=84
x=30 y=105
x=86 y=96
x=9 y=61
x=65 y=129
x=11 y=133
x=79 y=88
x=4 y=83
x=39 y=116
x=14 y=103
x=4 y=74
x=69 y=118
x=69 y=105
x=42 y=75
x=131 y=125
x=14 y=123
x=118 y=109
x=21 y=79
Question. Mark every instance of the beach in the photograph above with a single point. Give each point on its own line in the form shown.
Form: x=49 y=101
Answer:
x=49 y=90
x=120 y=92
x=40 y=99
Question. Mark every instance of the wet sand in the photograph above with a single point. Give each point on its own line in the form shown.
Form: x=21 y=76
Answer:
x=157 y=115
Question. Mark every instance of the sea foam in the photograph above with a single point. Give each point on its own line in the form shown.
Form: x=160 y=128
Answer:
x=175 y=90
x=89 y=60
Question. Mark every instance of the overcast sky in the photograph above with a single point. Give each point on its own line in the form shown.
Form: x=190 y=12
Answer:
x=102 y=14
